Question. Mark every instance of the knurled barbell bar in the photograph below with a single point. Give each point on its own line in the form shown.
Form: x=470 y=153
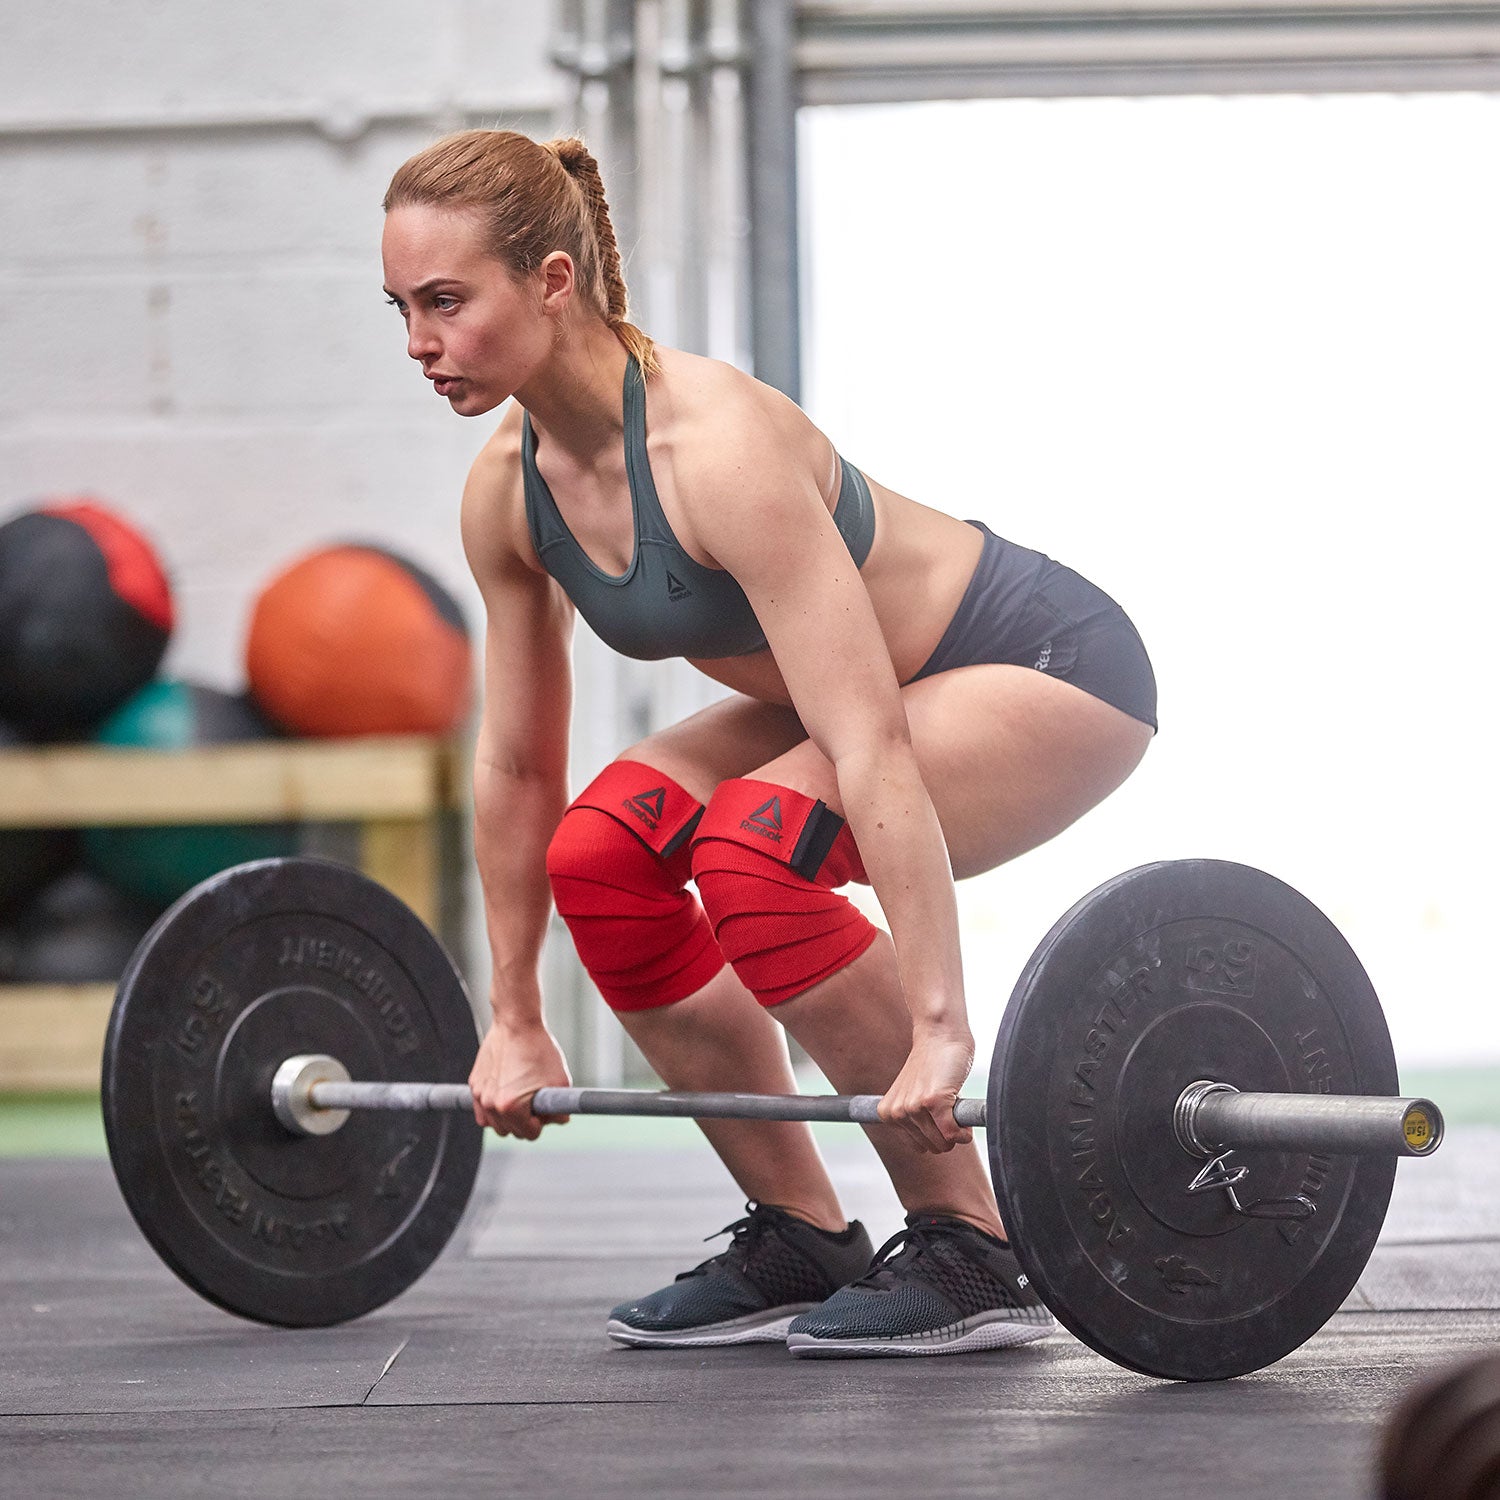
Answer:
x=313 y=1095
x=1190 y=1029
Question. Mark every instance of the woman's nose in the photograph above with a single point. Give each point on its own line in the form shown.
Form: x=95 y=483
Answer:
x=420 y=343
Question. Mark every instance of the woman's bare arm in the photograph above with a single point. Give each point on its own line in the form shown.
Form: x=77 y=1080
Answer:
x=520 y=784
x=755 y=505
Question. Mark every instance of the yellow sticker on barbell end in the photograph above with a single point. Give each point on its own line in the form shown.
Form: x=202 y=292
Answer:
x=1417 y=1127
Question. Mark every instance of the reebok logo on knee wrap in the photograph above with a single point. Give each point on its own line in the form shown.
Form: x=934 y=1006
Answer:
x=765 y=820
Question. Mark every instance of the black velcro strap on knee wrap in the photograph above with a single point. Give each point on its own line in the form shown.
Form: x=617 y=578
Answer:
x=822 y=827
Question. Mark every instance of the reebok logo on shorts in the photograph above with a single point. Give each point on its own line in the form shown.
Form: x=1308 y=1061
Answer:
x=765 y=820
x=647 y=806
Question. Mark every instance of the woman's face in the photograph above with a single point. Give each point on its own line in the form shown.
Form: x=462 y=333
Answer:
x=477 y=332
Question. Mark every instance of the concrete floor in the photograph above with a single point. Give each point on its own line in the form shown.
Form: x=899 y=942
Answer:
x=493 y=1374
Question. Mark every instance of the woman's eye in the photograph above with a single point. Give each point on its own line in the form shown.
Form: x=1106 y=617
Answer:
x=394 y=302
x=444 y=303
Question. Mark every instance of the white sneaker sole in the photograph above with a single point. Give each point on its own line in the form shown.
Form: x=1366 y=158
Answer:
x=768 y=1327
x=983 y=1331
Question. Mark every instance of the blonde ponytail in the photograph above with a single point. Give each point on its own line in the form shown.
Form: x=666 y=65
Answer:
x=578 y=162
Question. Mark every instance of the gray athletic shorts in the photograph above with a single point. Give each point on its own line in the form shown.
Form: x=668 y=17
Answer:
x=1022 y=609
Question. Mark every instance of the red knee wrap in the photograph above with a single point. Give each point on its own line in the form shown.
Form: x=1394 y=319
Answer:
x=618 y=864
x=767 y=860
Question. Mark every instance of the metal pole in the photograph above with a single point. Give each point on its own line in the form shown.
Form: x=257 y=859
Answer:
x=775 y=313
x=726 y=251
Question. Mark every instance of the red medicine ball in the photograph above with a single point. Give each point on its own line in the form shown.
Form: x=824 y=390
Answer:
x=85 y=615
x=355 y=640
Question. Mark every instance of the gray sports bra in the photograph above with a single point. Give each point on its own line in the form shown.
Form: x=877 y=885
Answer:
x=664 y=603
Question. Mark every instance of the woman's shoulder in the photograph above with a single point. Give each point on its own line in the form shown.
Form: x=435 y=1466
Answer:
x=701 y=382
x=712 y=407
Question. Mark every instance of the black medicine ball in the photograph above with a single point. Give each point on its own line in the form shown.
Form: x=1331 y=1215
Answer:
x=78 y=930
x=85 y=615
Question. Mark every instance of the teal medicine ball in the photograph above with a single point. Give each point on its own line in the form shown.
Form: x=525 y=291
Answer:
x=161 y=863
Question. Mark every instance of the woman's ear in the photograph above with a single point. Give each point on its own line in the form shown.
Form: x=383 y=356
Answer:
x=558 y=280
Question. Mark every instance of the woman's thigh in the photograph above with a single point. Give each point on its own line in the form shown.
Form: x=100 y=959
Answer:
x=728 y=738
x=1009 y=756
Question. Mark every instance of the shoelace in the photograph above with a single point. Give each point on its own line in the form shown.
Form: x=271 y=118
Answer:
x=743 y=1233
x=900 y=1250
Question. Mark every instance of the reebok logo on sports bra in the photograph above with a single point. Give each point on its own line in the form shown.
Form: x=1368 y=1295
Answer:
x=676 y=588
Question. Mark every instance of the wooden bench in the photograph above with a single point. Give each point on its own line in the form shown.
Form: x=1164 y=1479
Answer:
x=398 y=792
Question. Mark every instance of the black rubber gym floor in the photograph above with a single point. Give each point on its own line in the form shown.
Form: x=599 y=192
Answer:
x=493 y=1375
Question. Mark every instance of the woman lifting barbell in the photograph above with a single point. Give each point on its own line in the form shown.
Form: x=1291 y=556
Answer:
x=912 y=700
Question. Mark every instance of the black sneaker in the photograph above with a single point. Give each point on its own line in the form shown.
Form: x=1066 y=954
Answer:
x=775 y=1266
x=940 y=1286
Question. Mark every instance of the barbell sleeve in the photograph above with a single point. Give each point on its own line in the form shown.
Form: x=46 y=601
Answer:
x=1213 y=1117
x=398 y=1096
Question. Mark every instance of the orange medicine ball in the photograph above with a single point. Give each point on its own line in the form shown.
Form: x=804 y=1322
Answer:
x=355 y=640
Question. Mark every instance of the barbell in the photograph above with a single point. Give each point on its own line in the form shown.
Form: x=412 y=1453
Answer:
x=1193 y=1120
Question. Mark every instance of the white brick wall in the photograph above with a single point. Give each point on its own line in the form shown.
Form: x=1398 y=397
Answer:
x=73 y=60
